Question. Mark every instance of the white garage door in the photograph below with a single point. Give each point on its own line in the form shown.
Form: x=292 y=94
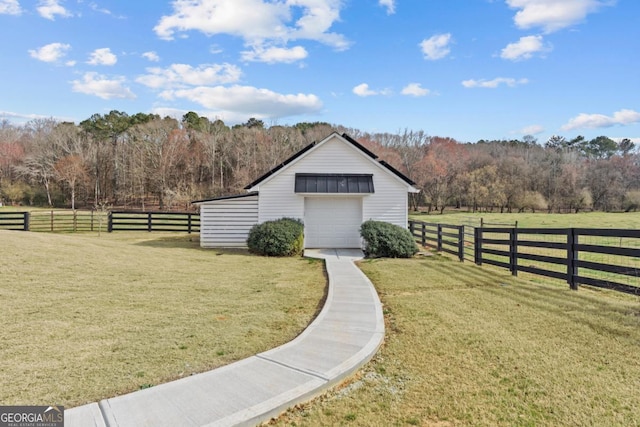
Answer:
x=332 y=222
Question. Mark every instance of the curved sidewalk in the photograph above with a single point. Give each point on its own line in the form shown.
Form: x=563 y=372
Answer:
x=345 y=335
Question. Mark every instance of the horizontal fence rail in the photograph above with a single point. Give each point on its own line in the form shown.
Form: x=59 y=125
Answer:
x=443 y=237
x=14 y=221
x=188 y=222
x=67 y=221
x=604 y=258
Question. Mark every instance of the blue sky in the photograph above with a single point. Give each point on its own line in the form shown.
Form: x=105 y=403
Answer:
x=466 y=69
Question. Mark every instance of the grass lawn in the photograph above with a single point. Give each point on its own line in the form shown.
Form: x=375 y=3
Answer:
x=86 y=317
x=471 y=346
x=529 y=220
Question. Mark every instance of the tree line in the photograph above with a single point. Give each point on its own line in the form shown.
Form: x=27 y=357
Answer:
x=144 y=161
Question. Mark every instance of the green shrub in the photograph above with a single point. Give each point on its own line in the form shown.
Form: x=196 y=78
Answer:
x=383 y=239
x=281 y=237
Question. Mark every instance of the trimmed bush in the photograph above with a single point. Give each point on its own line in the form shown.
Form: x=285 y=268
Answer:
x=281 y=237
x=383 y=239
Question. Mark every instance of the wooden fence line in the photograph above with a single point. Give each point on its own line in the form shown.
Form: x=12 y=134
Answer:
x=509 y=242
x=73 y=221
x=14 y=221
x=440 y=237
x=53 y=221
x=153 y=221
x=67 y=221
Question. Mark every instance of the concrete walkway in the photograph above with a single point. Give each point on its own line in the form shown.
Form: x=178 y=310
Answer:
x=345 y=335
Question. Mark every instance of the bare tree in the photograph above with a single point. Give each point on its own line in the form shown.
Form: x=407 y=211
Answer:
x=72 y=171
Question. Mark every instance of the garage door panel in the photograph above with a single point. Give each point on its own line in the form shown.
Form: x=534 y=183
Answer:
x=332 y=222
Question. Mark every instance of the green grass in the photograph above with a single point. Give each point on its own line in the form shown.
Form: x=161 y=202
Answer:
x=529 y=220
x=86 y=317
x=629 y=220
x=471 y=346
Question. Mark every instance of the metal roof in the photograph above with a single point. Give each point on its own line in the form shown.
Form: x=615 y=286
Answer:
x=334 y=183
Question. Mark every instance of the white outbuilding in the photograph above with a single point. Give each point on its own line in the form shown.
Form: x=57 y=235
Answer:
x=333 y=186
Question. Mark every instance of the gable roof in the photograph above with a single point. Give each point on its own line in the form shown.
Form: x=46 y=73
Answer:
x=346 y=138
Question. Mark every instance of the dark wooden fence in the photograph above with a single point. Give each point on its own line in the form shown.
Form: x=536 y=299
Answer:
x=67 y=221
x=53 y=221
x=571 y=257
x=443 y=237
x=14 y=221
x=604 y=258
x=188 y=222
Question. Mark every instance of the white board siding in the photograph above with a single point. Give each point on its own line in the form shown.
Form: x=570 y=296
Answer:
x=226 y=223
x=388 y=203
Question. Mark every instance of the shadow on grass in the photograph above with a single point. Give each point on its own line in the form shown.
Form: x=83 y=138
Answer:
x=590 y=307
x=325 y=293
x=189 y=242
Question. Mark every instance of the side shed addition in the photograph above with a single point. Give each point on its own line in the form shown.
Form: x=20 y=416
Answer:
x=227 y=220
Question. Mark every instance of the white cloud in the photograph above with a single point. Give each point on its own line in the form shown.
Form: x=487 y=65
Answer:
x=256 y=21
x=50 y=52
x=151 y=56
x=50 y=8
x=552 y=15
x=10 y=7
x=103 y=87
x=180 y=75
x=492 y=84
x=436 y=47
x=531 y=130
x=275 y=54
x=363 y=90
x=415 y=89
x=523 y=48
x=10 y=115
x=592 y=121
x=248 y=101
x=102 y=56
x=99 y=9
x=389 y=4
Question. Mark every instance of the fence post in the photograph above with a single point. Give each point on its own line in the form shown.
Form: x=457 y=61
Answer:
x=26 y=221
x=149 y=222
x=92 y=219
x=477 y=245
x=572 y=257
x=189 y=223
x=52 y=221
x=75 y=220
x=110 y=222
x=461 y=243
x=513 y=251
x=411 y=228
x=439 y=237
x=423 y=234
